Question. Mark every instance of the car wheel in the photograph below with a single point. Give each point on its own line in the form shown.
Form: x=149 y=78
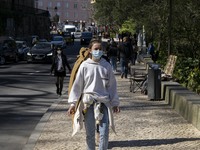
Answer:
x=2 y=60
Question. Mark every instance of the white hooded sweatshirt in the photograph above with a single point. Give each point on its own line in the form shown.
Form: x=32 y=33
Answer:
x=95 y=81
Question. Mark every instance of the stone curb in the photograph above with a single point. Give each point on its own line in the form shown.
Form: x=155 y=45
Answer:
x=40 y=126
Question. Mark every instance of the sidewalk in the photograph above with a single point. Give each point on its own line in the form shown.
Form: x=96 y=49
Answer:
x=141 y=125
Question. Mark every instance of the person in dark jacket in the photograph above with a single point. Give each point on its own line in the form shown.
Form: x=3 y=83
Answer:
x=125 y=53
x=112 y=54
x=151 y=51
x=59 y=67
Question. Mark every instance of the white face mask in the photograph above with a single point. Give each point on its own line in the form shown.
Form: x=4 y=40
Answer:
x=97 y=53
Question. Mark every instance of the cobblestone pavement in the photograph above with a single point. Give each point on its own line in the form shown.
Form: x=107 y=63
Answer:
x=141 y=125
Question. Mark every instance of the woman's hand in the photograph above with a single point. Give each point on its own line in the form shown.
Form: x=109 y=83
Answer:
x=116 y=109
x=71 y=110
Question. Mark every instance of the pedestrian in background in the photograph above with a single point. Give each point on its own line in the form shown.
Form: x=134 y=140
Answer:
x=73 y=37
x=151 y=51
x=108 y=46
x=59 y=67
x=125 y=54
x=134 y=52
x=95 y=83
x=112 y=54
x=34 y=41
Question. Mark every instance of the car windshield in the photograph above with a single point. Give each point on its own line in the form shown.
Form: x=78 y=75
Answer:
x=67 y=34
x=57 y=39
x=42 y=46
x=70 y=30
x=87 y=34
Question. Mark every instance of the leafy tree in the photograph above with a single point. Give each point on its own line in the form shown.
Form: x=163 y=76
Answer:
x=128 y=27
x=155 y=16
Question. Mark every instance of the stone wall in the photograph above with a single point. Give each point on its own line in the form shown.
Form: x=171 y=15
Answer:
x=184 y=101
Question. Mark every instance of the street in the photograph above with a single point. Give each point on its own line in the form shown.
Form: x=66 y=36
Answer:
x=27 y=91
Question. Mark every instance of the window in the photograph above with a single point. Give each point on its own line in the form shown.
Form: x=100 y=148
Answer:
x=84 y=16
x=58 y=4
x=84 y=6
x=40 y=4
x=75 y=5
x=50 y=4
x=67 y=14
x=67 y=5
x=75 y=15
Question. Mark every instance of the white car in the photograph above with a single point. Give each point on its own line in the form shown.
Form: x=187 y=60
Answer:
x=77 y=34
x=58 y=41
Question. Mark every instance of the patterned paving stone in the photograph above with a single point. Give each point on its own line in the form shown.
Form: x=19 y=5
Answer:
x=141 y=125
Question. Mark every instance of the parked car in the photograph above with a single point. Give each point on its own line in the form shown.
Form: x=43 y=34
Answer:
x=40 y=52
x=67 y=36
x=22 y=49
x=86 y=37
x=77 y=34
x=58 y=41
x=8 y=50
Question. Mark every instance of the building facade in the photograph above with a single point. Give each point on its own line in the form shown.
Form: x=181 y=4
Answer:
x=76 y=12
x=20 y=18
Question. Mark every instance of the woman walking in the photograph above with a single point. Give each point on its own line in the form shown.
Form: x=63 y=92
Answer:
x=96 y=84
x=112 y=54
x=58 y=66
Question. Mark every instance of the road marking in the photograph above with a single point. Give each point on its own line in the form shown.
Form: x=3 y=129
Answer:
x=31 y=73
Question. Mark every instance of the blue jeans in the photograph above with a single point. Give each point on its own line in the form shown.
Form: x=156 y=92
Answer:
x=124 y=65
x=113 y=61
x=90 y=127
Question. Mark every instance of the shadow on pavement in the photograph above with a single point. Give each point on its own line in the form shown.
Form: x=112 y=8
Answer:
x=150 y=142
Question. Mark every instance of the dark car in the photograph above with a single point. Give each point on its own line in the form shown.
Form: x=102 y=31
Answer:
x=22 y=49
x=8 y=50
x=67 y=37
x=40 y=52
x=58 y=41
x=86 y=37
